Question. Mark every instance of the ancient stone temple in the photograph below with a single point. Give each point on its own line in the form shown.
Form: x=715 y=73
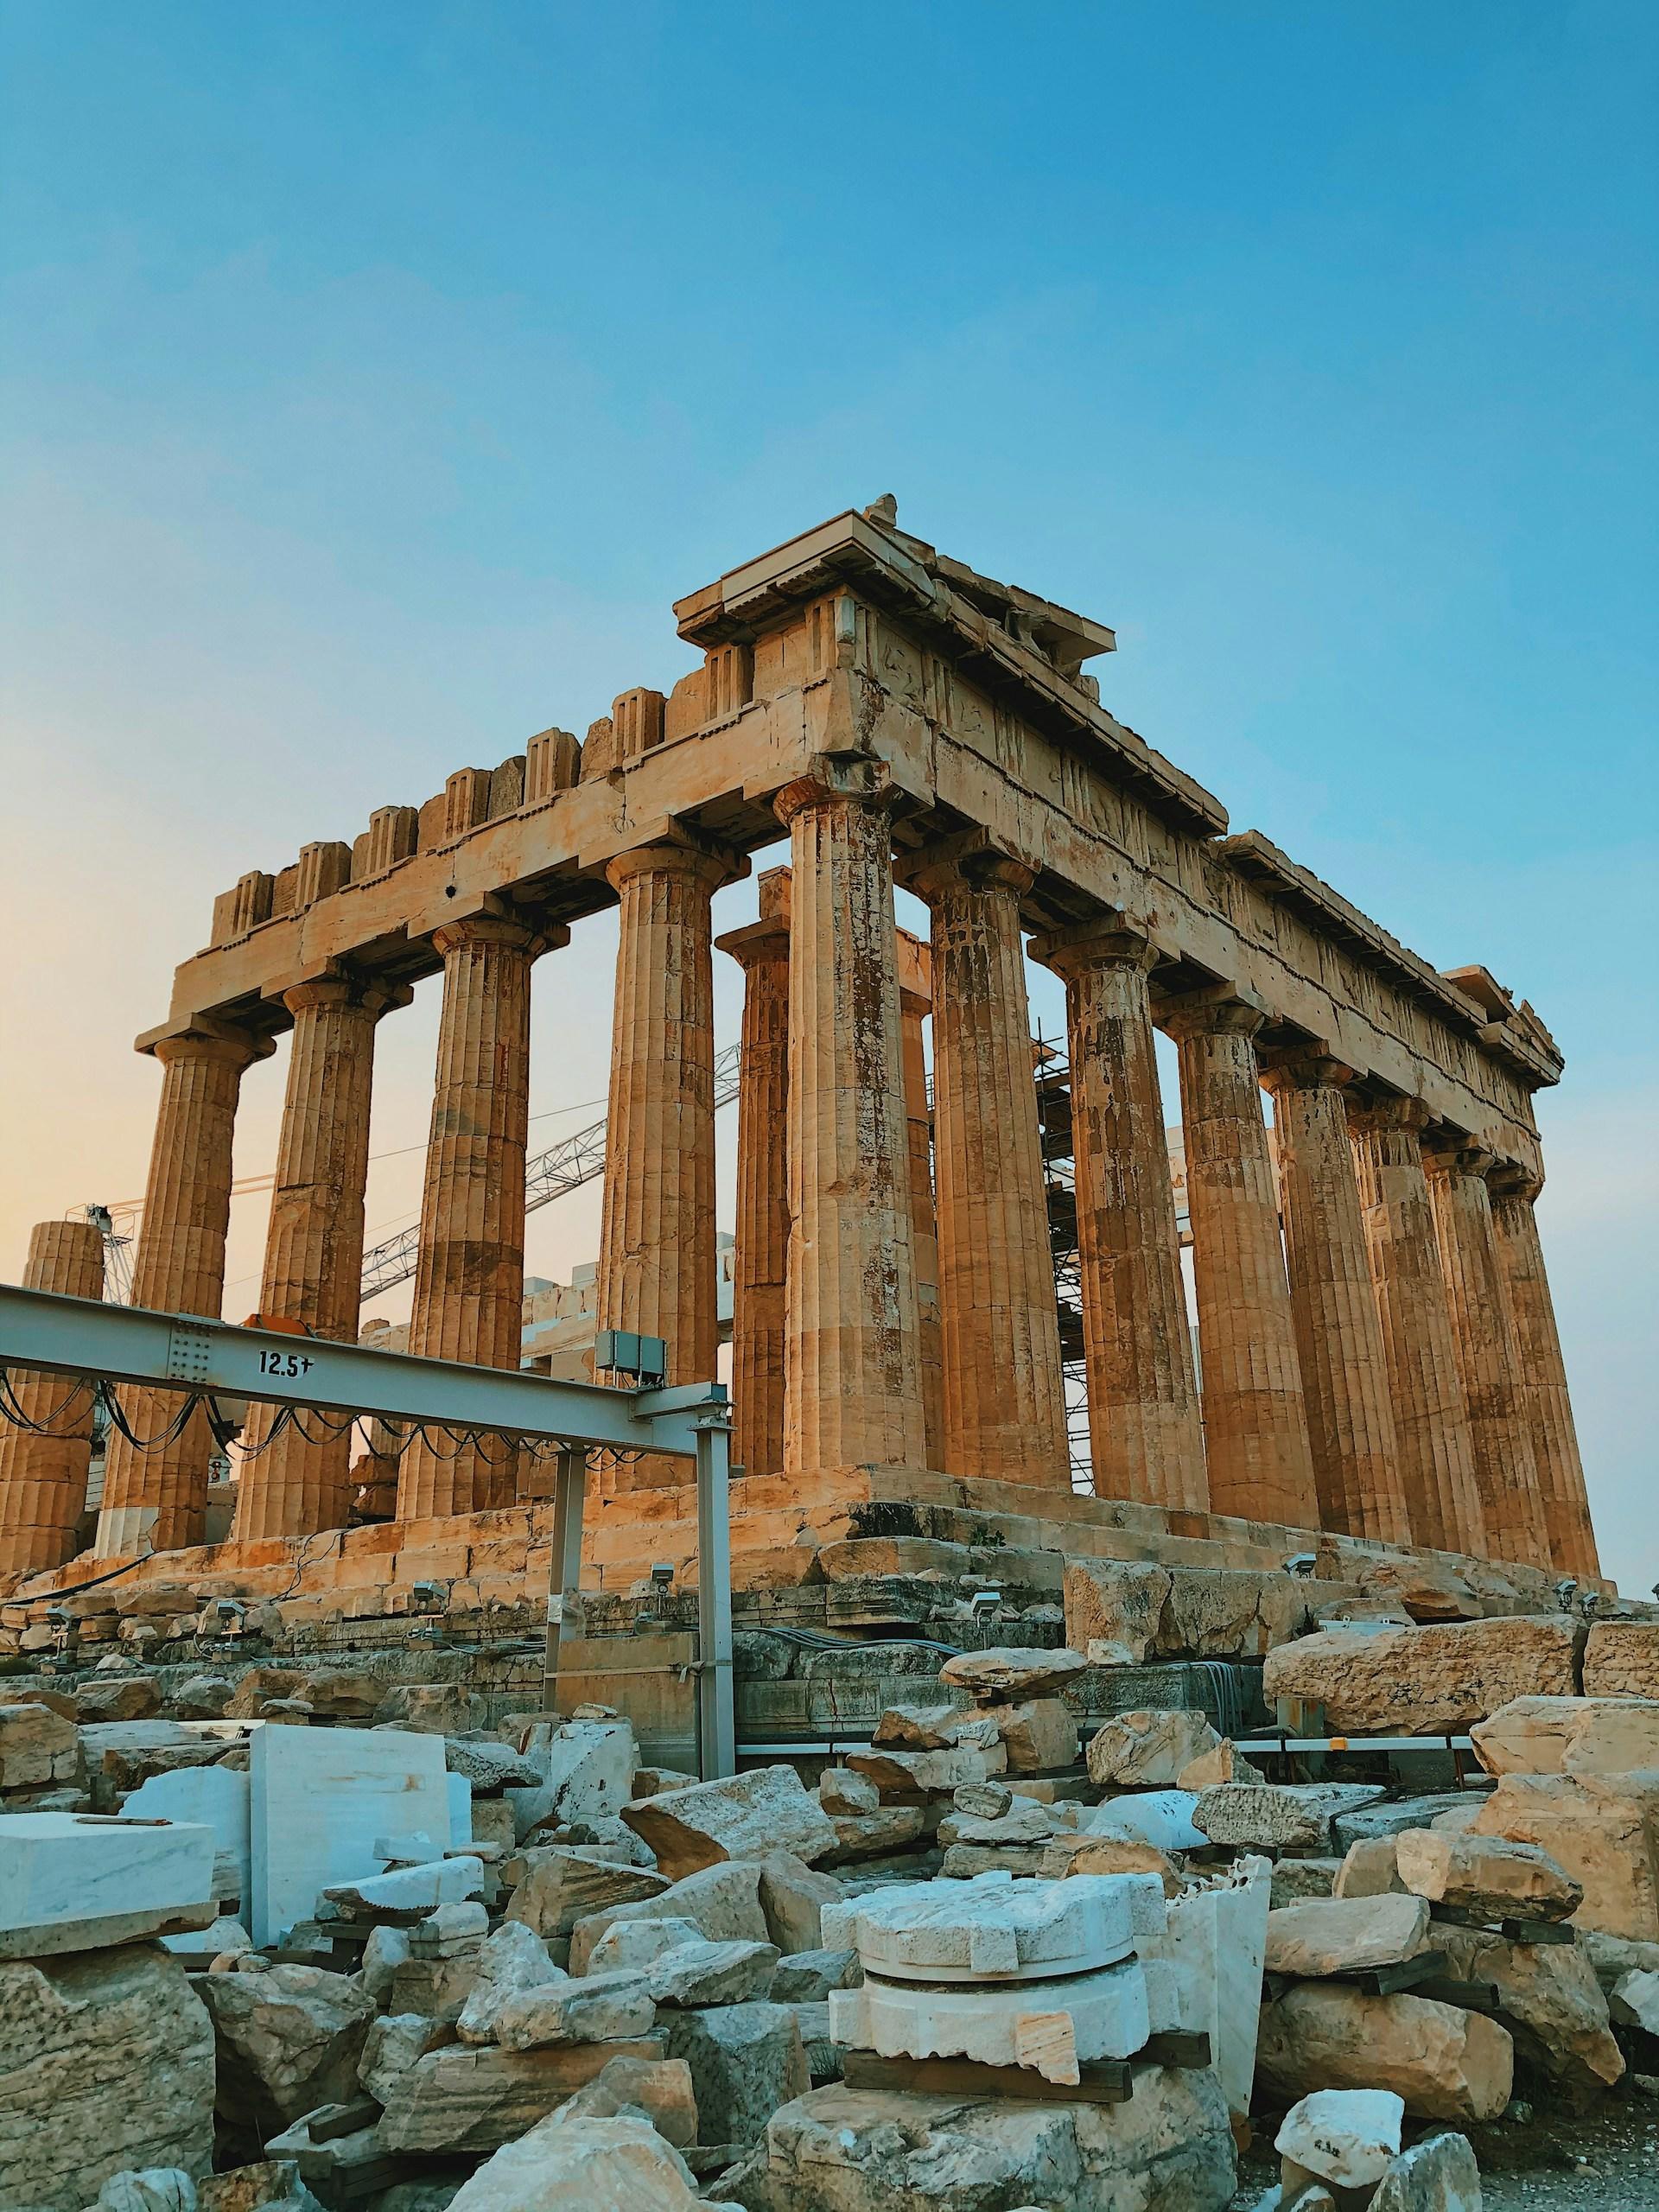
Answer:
x=1378 y=1365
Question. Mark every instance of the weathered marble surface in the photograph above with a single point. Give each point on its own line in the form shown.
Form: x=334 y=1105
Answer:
x=68 y=1884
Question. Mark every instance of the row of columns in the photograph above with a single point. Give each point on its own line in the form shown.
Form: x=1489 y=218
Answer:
x=1386 y=1365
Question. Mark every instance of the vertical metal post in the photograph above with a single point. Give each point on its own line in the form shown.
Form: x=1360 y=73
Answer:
x=716 y=1719
x=564 y=1562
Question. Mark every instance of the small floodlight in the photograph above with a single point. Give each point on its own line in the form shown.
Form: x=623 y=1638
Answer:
x=1301 y=1562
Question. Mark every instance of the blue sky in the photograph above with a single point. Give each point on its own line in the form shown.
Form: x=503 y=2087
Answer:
x=370 y=380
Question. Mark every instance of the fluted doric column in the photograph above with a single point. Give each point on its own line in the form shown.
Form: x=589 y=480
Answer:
x=1004 y=1396
x=852 y=1358
x=1543 y=1375
x=913 y=1010
x=1483 y=1340
x=657 y=1258
x=469 y=1270
x=1338 y=1330
x=1254 y=1420
x=290 y=1485
x=1431 y=1421
x=761 y=1258
x=156 y=1500
x=43 y=1477
x=1146 y=1440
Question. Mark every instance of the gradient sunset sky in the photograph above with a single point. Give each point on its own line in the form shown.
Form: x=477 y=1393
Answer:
x=371 y=378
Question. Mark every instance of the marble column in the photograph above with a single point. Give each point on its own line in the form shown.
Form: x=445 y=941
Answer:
x=852 y=1358
x=1483 y=1340
x=1543 y=1375
x=1146 y=1440
x=1255 y=1419
x=43 y=1477
x=1004 y=1395
x=913 y=1010
x=156 y=1500
x=1340 y=1345
x=657 y=1260
x=469 y=1268
x=761 y=1258
x=1431 y=1421
x=291 y=1485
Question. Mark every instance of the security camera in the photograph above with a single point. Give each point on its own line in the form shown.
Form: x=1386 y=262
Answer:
x=983 y=1603
x=57 y=1616
x=1301 y=1562
x=428 y=1597
x=662 y=1576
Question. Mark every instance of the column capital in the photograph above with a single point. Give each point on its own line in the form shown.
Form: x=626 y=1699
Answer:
x=203 y=1037
x=1509 y=1180
x=837 y=778
x=1367 y=1115
x=973 y=859
x=757 y=943
x=678 y=852
x=1221 y=1010
x=1451 y=1152
x=1107 y=941
x=498 y=929
x=1304 y=1067
x=373 y=994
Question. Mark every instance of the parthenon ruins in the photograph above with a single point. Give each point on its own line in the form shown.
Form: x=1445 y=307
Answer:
x=1380 y=1364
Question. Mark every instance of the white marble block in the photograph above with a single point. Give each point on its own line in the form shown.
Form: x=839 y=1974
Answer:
x=991 y=1929
x=211 y=1795
x=1203 y=1969
x=321 y=1798
x=70 y=1882
x=1053 y=2027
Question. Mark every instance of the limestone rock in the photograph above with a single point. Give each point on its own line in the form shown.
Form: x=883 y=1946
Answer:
x=123 y=1697
x=1006 y=1674
x=793 y=1897
x=808 y=1976
x=986 y=1800
x=1440 y=2174
x=659 y=2088
x=436 y=1988
x=288 y=2040
x=1107 y=1854
x=1330 y=1935
x=1222 y=1762
x=1635 y=2000
x=459 y=2100
x=106 y=2064
x=701 y=1973
x=1346 y=2136
x=406 y=1895
x=1485 y=1875
x=563 y=1884
x=1621 y=1659
x=1429 y=1590
x=589 y=1776
x=1024 y=1823
x=514 y=1959
x=157 y=2189
x=1116 y=1602
x=912 y=1773
x=1371 y=1869
x=259 y=1685
x=1232 y=1612
x=841 y=1790
x=1295 y=1880
x=1426 y=1681
x=1569 y=1735
x=1395 y=1815
x=932 y=1728
x=430 y=1708
x=583 y=2164
x=392 y=2046
x=638 y=1944
x=1443 y=2062
x=201 y=1697
x=1281 y=1815
x=1169 y=2149
x=1614 y=1956
x=597 y=2008
x=1038 y=1734
x=1603 y=1831
x=746 y=2061
x=722 y=1903
x=454 y=1931
x=1149 y=1750
x=1550 y=1992
x=738 y=1817
x=490 y=1767
x=37 y=1747
x=875 y=1835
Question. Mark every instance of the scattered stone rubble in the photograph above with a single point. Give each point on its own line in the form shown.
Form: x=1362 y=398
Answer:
x=979 y=1963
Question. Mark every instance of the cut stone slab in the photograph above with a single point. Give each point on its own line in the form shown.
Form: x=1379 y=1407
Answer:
x=841 y=1790
x=1169 y=2149
x=1350 y=2137
x=1570 y=1735
x=875 y=1835
x=394 y=2042
x=38 y=1747
x=319 y=1798
x=1336 y=1936
x=1037 y=1734
x=638 y=1944
x=436 y=1987
x=1445 y=2063
x=721 y=1902
x=988 y=1929
x=741 y=1816
x=68 y=1883
x=1051 y=2027
x=1603 y=1832
x=932 y=1728
x=459 y=2100
x=1007 y=1674
x=808 y=1977
x=1204 y=1968
x=1024 y=1823
x=1437 y=2175
x=1149 y=1750
x=1429 y=1680
x=428 y=1708
x=1370 y=1870
x=1621 y=1659
x=927 y=1772
x=1114 y=1602
x=1396 y=1814
x=746 y=2061
x=1485 y=1875
x=209 y=1796
x=405 y=1896
x=582 y=2164
x=454 y=1931
x=1550 y=1990
x=589 y=1777
x=106 y=2065
x=288 y=2040
x=659 y=2088
x=564 y=1883
x=793 y=1897
x=1278 y=1816
x=513 y=1960
x=700 y=1972
x=596 y=2008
